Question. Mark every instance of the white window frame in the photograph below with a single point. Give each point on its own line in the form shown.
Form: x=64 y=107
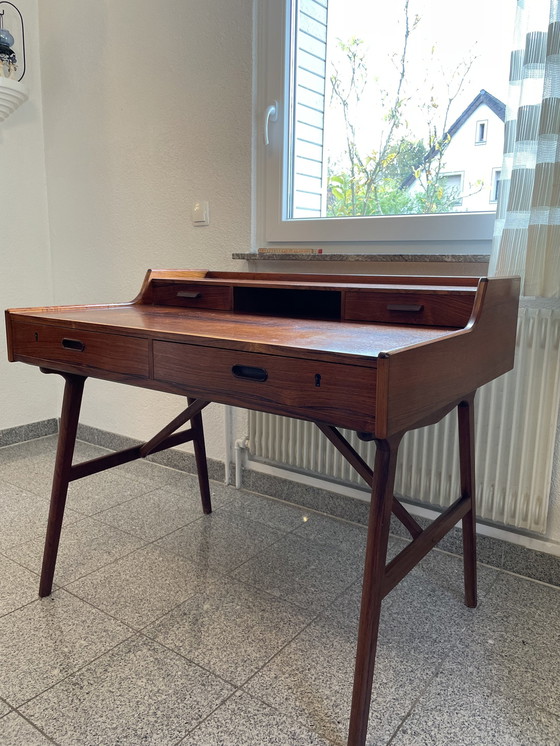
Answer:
x=272 y=225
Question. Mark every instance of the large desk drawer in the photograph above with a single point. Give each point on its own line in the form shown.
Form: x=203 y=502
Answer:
x=114 y=353
x=308 y=389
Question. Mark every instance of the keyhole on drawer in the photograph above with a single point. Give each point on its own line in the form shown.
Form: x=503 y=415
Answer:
x=36 y=336
x=317 y=379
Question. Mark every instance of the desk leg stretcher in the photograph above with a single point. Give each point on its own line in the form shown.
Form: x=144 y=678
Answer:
x=65 y=472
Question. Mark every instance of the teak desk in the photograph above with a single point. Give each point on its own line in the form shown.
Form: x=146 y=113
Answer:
x=378 y=355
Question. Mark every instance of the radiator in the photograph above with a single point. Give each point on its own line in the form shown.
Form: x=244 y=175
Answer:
x=515 y=424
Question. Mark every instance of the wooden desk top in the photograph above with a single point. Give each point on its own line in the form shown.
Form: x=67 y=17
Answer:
x=267 y=334
x=424 y=341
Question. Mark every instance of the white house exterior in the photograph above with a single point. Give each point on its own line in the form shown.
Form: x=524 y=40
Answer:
x=473 y=158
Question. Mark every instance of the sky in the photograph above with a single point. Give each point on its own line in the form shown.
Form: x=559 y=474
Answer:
x=447 y=36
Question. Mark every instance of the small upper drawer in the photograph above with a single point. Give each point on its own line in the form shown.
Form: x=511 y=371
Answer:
x=430 y=309
x=217 y=297
x=114 y=353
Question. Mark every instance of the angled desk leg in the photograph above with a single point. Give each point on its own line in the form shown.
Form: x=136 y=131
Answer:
x=71 y=403
x=200 y=458
x=465 y=413
x=372 y=591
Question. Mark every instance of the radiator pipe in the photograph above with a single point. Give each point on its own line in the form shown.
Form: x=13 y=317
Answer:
x=241 y=445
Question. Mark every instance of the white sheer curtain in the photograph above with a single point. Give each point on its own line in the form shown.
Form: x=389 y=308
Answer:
x=527 y=231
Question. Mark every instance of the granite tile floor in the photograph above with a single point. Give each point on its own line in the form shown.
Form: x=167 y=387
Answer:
x=170 y=627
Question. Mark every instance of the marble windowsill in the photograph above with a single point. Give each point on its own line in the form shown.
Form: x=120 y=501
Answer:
x=421 y=258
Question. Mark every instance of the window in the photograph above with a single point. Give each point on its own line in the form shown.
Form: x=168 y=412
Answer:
x=372 y=104
x=453 y=186
x=495 y=184
x=481 y=128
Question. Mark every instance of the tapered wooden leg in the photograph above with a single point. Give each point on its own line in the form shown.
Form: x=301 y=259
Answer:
x=200 y=457
x=71 y=403
x=466 y=456
x=372 y=591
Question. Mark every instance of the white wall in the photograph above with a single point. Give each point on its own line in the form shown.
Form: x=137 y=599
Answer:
x=147 y=107
x=25 y=270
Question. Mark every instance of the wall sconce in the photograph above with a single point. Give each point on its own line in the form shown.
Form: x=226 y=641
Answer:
x=12 y=91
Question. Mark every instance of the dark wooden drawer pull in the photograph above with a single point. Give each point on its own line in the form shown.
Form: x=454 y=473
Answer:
x=73 y=344
x=404 y=307
x=249 y=372
x=188 y=294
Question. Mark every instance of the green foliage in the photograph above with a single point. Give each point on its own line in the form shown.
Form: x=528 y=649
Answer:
x=350 y=192
x=379 y=182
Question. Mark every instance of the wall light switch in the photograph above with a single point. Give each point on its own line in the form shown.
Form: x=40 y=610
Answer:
x=200 y=213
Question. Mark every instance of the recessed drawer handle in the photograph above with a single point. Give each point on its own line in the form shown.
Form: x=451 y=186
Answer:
x=404 y=307
x=73 y=344
x=250 y=373
x=188 y=294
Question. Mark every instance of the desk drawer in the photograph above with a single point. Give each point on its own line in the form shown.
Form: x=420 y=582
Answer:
x=217 y=298
x=430 y=309
x=308 y=389
x=115 y=353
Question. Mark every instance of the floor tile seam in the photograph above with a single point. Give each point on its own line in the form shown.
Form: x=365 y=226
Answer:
x=148 y=543
x=204 y=719
x=123 y=502
x=133 y=630
x=282 y=598
x=284 y=534
x=96 y=517
x=142 y=631
x=28 y=491
x=23 y=606
x=101 y=567
x=190 y=661
x=423 y=690
x=297 y=531
x=90 y=572
x=15 y=561
x=227 y=508
x=4 y=702
x=35 y=726
x=75 y=671
x=299 y=721
x=303 y=508
x=277 y=653
x=525 y=577
x=270 y=596
x=259 y=701
x=258 y=524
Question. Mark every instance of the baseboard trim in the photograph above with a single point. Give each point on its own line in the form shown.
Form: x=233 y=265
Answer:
x=12 y=435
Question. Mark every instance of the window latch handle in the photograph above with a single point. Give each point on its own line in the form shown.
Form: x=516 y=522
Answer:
x=270 y=115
